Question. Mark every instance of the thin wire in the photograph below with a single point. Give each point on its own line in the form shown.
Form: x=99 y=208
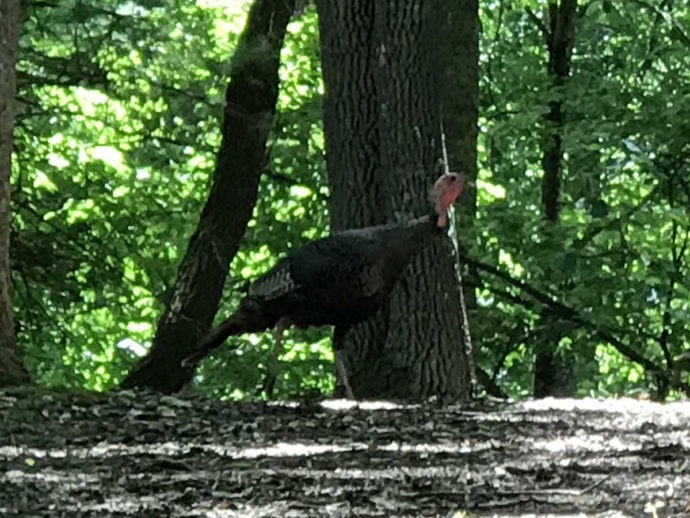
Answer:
x=469 y=351
x=444 y=150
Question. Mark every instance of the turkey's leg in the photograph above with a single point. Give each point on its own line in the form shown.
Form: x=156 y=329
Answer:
x=341 y=371
x=273 y=367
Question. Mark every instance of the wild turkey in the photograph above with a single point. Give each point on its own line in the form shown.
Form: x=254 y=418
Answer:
x=337 y=280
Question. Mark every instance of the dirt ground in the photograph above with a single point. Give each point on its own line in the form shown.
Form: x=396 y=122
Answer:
x=131 y=454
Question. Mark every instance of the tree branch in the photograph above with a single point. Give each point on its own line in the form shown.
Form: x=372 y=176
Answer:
x=567 y=313
x=539 y=23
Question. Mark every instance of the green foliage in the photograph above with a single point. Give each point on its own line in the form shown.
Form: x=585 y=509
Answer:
x=116 y=135
x=118 y=125
x=291 y=210
x=620 y=254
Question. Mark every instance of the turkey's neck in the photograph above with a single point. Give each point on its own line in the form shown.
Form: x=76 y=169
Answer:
x=409 y=239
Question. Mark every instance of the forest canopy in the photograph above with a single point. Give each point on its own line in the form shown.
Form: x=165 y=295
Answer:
x=118 y=121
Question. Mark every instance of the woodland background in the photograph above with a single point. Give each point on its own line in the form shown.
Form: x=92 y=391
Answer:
x=117 y=126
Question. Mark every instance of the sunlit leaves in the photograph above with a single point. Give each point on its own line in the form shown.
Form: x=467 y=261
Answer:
x=114 y=143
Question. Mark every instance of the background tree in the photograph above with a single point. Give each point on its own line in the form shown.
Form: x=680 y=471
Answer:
x=552 y=372
x=250 y=105
x=383 y=148
x=11 y=367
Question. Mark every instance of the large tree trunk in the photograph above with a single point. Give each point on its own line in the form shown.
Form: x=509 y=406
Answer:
x=553 y=373
x=250 y=105
x=383 y=149
x=12 y=370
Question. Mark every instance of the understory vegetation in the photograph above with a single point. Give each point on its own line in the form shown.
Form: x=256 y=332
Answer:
x=117 y=128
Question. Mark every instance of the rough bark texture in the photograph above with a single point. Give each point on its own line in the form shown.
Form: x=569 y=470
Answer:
x=250 y=106
x=383 y=149
x=551 y=373
x=12 y=371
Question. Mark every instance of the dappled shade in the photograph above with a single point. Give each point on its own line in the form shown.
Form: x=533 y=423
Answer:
x=132 y=455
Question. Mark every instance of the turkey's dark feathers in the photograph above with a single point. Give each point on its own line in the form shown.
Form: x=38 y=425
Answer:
x=343 y=277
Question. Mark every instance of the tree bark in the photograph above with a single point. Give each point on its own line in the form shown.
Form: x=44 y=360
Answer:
x=250 y=106
x=383 y=150
x=12 y=371
x=552 y=373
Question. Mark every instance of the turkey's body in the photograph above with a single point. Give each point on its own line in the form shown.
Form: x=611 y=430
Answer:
x=338 y=280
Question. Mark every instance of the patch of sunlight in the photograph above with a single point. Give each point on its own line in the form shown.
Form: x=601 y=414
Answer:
x=91 y=97
x=138 y=327
x=135 y=57
x=198 y=160
x=42 y=181
x=120 y=191
x=590 y=442
x=57 y=161
x=279 y=449
x=233 y=6
x=605 y=514
x=130 y=345
x=299 y=191
x=80 y=211
x=58 y=138
x=347 y=404
x=506 y=259
x=108 y=155
x=143 y=174
x=68 y=479
x=387 y=473
x=235 y=12
x=497 y=192
x=91 y=104
x=631 y=412
x=634 y=376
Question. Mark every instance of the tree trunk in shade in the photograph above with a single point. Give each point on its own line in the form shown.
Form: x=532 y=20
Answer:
x=552 y=372
x=12 y=371
x=382 y=119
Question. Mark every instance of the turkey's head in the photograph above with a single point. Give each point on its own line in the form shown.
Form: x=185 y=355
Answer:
x=444 y=193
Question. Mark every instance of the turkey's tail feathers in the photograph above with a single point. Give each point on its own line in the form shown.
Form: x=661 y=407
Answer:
x=247 y=318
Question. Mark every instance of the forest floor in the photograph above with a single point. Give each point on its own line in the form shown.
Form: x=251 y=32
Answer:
x=130 y=454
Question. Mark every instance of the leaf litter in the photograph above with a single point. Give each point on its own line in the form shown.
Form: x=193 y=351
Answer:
x=122 y=454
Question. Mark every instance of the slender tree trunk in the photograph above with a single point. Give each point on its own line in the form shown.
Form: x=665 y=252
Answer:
x=553 y=374
x=250 y=106
x=383 y=149
x=12 y=371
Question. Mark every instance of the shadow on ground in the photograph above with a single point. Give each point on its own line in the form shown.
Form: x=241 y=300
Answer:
x=131 y=454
